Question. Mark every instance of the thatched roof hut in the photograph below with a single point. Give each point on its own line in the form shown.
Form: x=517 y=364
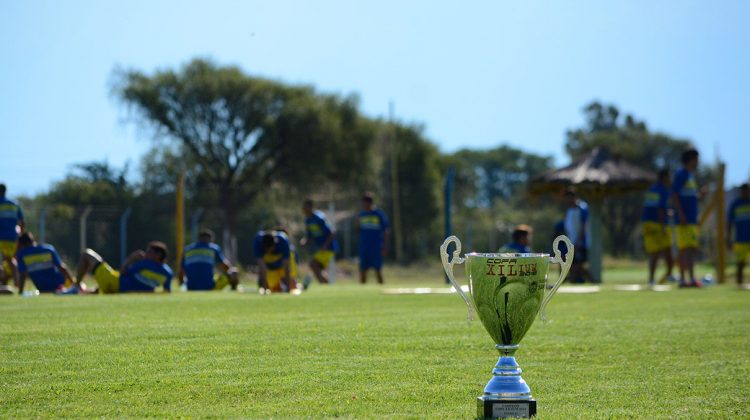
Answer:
x=595 y=176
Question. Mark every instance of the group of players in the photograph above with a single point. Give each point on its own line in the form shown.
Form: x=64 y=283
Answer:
x=682 y=192
x=669 y=198
x=203 y=265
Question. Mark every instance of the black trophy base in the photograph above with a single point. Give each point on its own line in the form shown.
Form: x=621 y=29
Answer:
x=505 y=409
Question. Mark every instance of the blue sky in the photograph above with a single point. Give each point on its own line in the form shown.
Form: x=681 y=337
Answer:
x=475 y=74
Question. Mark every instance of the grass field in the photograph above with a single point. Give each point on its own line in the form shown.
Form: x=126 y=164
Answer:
x=350 y=351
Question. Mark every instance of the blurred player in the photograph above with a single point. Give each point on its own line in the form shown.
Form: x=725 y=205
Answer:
x=198 y=264
x=685 y=201
x=42 y=263
x=657 y=236
x=319 y=232
x=11 y=225
x=373 y=238
x=576 y=225
x=276 y=268
x=521 y=238
x=143 y=271
x=739 y=217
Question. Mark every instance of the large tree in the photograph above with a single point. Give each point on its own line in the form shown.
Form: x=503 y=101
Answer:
x=245 y=132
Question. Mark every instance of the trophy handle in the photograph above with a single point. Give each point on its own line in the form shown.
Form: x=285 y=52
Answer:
x=565 y=267
x=448 y=267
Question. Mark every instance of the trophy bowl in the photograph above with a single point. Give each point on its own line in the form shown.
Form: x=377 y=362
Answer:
x=508 y=291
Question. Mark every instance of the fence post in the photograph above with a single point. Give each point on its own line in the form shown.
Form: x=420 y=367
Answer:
x=82 y=231
x=332 y=221
x=43 y=225
x=180 y=218
x=124 y=234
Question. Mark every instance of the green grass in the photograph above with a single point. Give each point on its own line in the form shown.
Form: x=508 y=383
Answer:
x=349 y=351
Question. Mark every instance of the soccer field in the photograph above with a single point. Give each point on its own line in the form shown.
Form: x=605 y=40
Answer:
x=350 y=351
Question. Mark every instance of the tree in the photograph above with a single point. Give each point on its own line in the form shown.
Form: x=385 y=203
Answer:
x=499 y=173
x=418 y=188
x=627 y=137
x=244 y=133
x=490 y=196
x=95 y=184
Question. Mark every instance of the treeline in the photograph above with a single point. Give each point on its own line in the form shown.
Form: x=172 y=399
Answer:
x=253 y=148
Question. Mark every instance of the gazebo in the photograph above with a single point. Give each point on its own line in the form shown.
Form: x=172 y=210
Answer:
x=595 y=176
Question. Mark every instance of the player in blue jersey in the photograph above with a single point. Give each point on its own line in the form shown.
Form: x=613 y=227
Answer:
x=320 y=235
x=198 y=262
x=685 y=201
x=739 y=218
x=143 y=271
x=520 y=240
x=657 y=236
x=373 y=238
x=42 y=264
x=11 y=225
x=276 y=268
x=577 y=229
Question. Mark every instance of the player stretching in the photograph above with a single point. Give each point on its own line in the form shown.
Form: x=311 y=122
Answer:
x=42 y=263
x=320 y=233
x=198 y=265
x=277 y=269
x=739 y=216
x=11 y=225
x=143 y=271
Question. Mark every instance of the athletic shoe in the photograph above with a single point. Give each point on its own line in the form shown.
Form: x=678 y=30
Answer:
x=306 y=282
x=72 y=290
x=696 y=283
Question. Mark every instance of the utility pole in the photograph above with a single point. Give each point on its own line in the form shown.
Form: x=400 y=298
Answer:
x=397 y=232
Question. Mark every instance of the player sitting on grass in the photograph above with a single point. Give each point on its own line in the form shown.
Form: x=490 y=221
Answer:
x=198 y=265
x=739 y=217
x=276 y=268
x=521 y=238
x=143 y=271
x=319 y=232
x=43 y=265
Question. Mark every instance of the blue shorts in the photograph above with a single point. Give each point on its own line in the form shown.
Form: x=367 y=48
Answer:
x=370 y=258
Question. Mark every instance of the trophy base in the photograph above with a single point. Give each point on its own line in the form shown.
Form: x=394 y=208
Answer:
x=505 y=409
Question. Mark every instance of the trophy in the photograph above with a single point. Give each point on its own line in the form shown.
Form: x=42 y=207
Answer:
x=508 y=291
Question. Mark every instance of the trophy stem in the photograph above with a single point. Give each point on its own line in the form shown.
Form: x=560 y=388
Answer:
x=506 y=350
x=506 y=394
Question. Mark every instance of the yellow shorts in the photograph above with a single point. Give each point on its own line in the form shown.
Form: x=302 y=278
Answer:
x=273 y=279
x=741 y=251
x=107 y=278
x=221 y=280
x=323 y=257
x=687 y=236
x=656 y=237
x=8 y=249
